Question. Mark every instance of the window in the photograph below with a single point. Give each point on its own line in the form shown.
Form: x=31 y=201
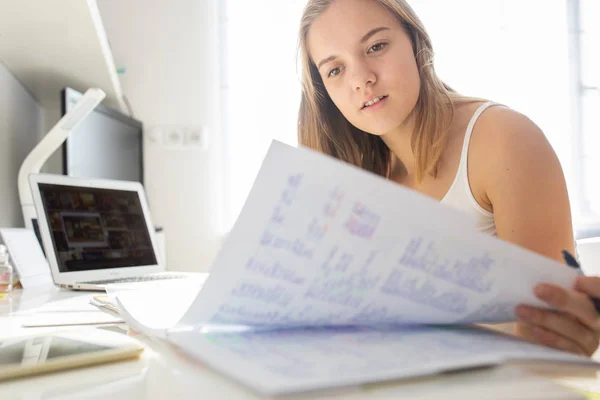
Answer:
x=586 y=88
x=539 y=57
x=261 y=88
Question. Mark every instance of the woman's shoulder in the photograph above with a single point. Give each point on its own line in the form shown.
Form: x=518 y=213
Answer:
x=508 y=151
x=494 y=117
x=503 y=131
x=509 y=160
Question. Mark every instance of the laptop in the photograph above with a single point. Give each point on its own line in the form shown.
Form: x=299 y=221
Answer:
x=96 y=232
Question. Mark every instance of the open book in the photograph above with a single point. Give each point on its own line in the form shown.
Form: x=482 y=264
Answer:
x=334 y=276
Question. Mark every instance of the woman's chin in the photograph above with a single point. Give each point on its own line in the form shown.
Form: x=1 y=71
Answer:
x=378 y=131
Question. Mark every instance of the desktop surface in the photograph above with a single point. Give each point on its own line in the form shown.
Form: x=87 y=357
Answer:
x=162 y=372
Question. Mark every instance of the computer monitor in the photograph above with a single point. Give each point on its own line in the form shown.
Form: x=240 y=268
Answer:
x=107 y=145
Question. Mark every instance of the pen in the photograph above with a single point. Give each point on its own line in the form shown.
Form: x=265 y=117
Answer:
x=572 y=262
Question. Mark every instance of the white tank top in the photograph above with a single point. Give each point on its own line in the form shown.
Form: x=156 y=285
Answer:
x=459 y=195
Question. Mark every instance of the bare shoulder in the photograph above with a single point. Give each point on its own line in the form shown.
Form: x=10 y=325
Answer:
x=515 y=172
x=501 y=128
x=504 y=140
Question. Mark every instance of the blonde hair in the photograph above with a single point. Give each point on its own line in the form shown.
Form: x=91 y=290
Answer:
x=322 y=127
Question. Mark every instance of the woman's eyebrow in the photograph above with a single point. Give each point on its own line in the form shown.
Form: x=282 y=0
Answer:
x=362 y=40
x=372 y=32
x=325 y=61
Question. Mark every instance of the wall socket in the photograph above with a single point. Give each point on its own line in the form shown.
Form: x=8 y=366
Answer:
x=195 y=136
x=179 y=136
x=172 y=136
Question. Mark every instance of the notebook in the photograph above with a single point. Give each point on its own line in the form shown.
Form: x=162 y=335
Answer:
x=332 y=276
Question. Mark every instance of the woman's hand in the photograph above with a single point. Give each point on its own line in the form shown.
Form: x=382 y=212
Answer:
x=575 y=327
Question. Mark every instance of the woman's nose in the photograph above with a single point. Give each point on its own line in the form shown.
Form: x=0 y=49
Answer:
x=363 y=76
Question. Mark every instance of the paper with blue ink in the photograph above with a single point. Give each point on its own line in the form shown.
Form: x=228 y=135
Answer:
x=320 y=245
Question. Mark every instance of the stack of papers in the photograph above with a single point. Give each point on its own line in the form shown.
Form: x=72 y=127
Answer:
x=67 y=312
x=161 y=302
x=333 y=276
x=105 y=303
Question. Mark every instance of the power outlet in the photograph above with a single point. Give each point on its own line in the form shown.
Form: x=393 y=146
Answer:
x=178 y=136
x=173 y=136
x=153 y=134
x=195 y=136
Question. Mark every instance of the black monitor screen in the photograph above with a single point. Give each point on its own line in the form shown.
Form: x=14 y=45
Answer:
x=107 y=144
x=95 y=228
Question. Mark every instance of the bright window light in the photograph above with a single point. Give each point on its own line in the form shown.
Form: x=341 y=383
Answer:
x=515 y=52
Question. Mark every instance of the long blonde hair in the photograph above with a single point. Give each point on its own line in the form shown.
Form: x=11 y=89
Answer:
x=322 y=127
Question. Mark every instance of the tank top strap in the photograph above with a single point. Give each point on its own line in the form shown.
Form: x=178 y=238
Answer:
x=469 y=132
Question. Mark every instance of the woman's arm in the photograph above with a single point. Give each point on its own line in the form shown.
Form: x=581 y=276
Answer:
x=521 y=180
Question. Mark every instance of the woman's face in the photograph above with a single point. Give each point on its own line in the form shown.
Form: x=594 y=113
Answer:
x=367 y=64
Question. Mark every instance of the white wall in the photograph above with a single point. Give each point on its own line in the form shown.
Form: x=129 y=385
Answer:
x=170 y=56
x=21 y=127
x=258 y=110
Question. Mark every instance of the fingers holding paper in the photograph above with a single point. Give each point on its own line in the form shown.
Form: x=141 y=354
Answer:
x=589 y=285
x=573 y=327
x=555 y=329
x=574 y=302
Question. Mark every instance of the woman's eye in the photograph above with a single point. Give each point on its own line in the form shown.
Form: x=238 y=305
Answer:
x=334 y=72
x=377 y=47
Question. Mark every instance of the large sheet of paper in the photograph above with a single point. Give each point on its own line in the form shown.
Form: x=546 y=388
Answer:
x=294 y=360
x=328 y=269
x=322 y=243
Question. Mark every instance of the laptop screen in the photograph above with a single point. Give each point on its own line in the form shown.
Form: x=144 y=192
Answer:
x=95 y=228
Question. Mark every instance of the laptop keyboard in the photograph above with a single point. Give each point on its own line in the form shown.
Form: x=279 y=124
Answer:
x=145 y=278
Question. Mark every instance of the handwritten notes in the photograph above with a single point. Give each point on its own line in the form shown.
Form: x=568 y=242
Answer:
x=284 y=361
x=322 y=243
x=329 y=269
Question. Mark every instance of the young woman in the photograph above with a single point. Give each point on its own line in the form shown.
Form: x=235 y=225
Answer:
x=371 y=97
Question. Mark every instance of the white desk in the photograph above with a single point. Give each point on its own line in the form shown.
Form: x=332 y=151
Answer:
x=163 y=373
